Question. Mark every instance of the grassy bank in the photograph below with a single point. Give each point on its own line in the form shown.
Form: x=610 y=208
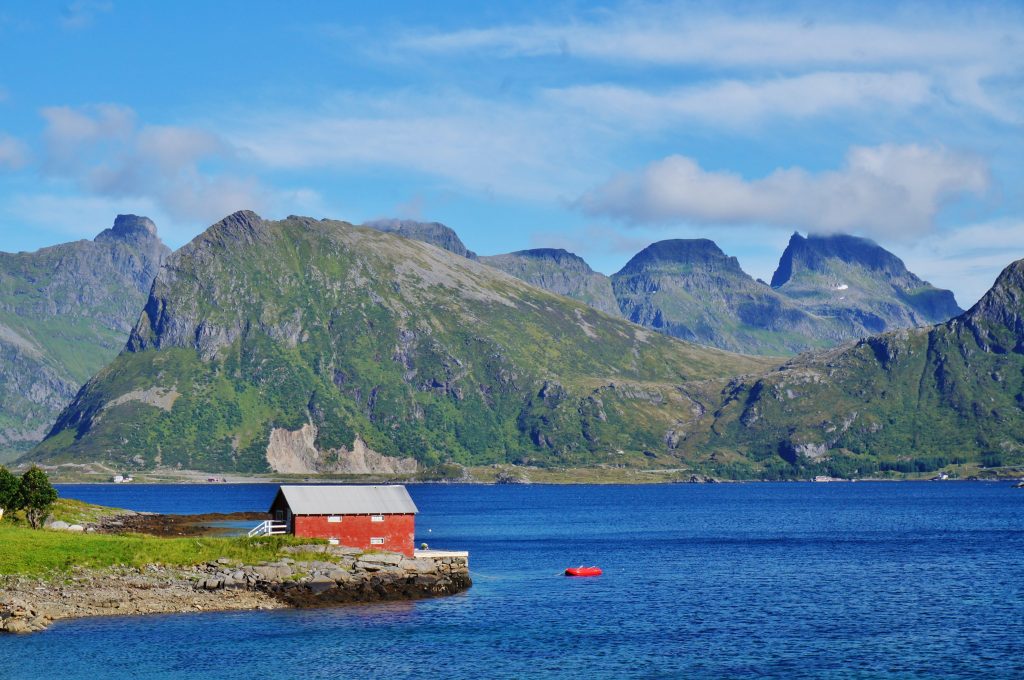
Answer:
x=31 y=552
x=67 y=510
x=36 y=552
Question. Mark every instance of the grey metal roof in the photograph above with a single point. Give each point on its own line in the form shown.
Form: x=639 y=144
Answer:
x=346 y=499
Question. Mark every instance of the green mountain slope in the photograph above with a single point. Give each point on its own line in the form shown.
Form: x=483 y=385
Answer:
x=690 y=289
x=561 y=272
x=858 y=283
x=65 y=312
x=314 y=345
x=908 y=400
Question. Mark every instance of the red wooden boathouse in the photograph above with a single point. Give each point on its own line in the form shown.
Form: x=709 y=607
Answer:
x=365 y=517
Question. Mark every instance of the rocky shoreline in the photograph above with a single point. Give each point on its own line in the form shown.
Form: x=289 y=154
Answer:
x=343 y=575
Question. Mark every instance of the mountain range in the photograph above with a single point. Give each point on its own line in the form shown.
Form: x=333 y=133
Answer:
x=65 y=312
x=826 y=290
x=911 y=400
x=691 y=290
x=318 y=346
x=262 y=346
x=307 y=345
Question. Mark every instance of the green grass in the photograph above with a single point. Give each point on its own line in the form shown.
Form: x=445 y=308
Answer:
x=68 y=510
x=31 y=552
x=78 y=512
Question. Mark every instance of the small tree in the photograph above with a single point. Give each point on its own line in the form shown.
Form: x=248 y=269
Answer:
x=9 y=500
x=37 y=495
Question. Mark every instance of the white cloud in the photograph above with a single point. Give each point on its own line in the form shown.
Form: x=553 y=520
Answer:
x=13 y=153
x=107 y=153
x=880 y=190
x=679 y=35
x=486 y=147
x=961 y=54
x=731 y=102
x=968 y=259
x=71 y=131
x=76 y=216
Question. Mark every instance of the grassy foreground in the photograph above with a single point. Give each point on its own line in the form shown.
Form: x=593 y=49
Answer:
x=34 y=552
x=31 y=552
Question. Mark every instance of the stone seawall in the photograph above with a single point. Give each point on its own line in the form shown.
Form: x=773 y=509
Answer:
x=343 y=575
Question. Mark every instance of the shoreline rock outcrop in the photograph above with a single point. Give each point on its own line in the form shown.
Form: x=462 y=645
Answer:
x=343 y=575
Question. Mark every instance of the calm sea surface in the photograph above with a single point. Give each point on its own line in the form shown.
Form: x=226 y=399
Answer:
x=738 y=580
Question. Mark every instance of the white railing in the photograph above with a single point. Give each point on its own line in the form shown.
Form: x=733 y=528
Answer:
x=269 y=528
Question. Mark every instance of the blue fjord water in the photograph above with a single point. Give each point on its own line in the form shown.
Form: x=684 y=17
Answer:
x=728 y=580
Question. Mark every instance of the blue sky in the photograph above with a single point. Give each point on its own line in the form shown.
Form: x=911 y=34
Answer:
x=595 y=127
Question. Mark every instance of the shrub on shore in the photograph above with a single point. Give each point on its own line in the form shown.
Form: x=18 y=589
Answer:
x=36 y=496
x=33 y=493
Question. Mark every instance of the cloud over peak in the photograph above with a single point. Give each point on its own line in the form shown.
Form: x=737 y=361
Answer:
x=884 y=190
x=103 y=150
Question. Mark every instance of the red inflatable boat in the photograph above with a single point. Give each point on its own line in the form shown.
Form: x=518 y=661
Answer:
x=583 y=571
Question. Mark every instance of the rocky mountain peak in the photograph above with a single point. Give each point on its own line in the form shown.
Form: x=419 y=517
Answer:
x=434 y=233
x=129 y=228
x=241 y=227
x=997 y=320
x=687 y=252
x=559 y=256
x=814 y=251
x=860 y=282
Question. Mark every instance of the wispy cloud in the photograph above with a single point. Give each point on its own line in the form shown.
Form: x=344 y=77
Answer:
x=487 y=147
x=730 y=102
x=13 y=153
x=880 y=190
x=969 y=258
x=754 y=60
x=681 y=35
x=106 y=153
x=77 y=216
x=81 y=14
x=69 y=131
